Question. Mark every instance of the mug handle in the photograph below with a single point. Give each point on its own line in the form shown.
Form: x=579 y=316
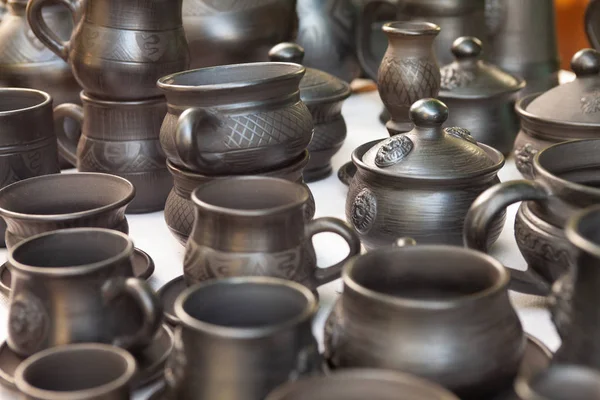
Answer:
x=67 y=146
x=367 y=16
x=148 y=302
x=328 y=224
x=480 y=218
x=188 y=133
x=592 y=21
x=42 y=31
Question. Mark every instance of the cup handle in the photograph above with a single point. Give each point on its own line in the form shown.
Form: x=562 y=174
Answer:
x=486 y=208
x=592 y=20
x=367 y=60
x=192 y=125
x=67 y=146
x=148 y=302
x=42 y=31
x=327 y=224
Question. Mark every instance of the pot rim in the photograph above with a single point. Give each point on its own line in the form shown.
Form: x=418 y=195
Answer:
x=245 y=332
x=45 y=100
x=67 y=216
x=496 y=156
x=98 y=101
x=297 y=73
x=71 y=270
x=576 y=237
x=256 y=212
x=122 y=380
x=411 y=28
x=521 y=110
x=541 y=171
x=499 y=285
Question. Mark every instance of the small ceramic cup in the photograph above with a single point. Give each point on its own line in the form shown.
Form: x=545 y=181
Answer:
x=120 y=138
x=76 y=285
x=561 y=382
x=255 y=226
x=362 y=384
x=240 y=338
x=27 y=139
x=60 y=201
x=88 y=371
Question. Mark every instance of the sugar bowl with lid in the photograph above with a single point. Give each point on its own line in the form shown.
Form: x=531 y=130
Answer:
x=420 y=183
x=566 y=112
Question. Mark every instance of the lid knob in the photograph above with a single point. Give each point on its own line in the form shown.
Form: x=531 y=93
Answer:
x=287 y=52
x=428 y=113
x=586 y=62
x=466 y=47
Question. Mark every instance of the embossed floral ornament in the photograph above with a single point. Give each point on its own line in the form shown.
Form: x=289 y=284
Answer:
x=364 y=210
x=27 y=323
x=393 y=150
x=461 y=133
x=453 y=77
x=590 y=103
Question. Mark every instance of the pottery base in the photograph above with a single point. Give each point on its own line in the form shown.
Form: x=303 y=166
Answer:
x=317 y=174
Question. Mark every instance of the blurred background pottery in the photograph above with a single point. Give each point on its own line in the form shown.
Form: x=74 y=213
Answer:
x=481 y=96
x=27 y=141
x=179 y=209
x=403 y=307
x=421 y=183
x=60 y=201
x=566 y=112
x=327 y=33
x=523 y=41
x=235 y=119
x=561 y=382
x=324 y=95
x=270 y=214
x=408 y=72
x=120 y=138
x=221 y=32
x=120 y=48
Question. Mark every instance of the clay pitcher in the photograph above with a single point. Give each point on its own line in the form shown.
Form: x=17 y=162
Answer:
x=120 y=48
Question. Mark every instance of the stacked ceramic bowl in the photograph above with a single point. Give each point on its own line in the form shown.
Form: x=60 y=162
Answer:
x=232 y=120
x=122 y=107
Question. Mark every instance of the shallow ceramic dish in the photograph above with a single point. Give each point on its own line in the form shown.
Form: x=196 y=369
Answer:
x=167 y=296
x=150 y=361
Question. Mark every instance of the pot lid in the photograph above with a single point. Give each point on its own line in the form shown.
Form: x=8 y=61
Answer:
x=470 y=77
x=317 y=86
x=430 y=151
x=577 y=101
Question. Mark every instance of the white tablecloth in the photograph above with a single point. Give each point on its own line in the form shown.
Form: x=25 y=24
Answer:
x=361 y=111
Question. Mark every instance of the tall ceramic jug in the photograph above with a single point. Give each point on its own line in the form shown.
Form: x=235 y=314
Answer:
x=456 y=18
x=236 y=31
x=522 y=36
x=120 y=48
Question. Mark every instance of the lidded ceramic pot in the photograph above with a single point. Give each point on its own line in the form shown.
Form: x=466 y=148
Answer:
x=566 y=112
x=481 y=96
x=324 y=95
x=421 y=183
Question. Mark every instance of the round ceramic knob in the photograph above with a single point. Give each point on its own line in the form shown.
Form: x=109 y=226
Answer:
x=466 y=47
x=428 y=112
x=287 y=52
x=586 y=62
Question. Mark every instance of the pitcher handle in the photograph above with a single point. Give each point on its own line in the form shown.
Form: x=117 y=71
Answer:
x=42 y=31
x=592 y=13
x=486 y=208
x=368 y=62
x=334 y=225
x=67 y=146
x=146 y=300
x=189 y=131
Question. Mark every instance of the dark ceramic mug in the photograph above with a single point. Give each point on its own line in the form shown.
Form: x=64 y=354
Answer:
x=362 y=384
x=77 y=285
x=255 y=226
x=403 y=307
x=27 y=139
x=120 y=138
x=59 y=201
x=262 y=325
x=88 y=371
